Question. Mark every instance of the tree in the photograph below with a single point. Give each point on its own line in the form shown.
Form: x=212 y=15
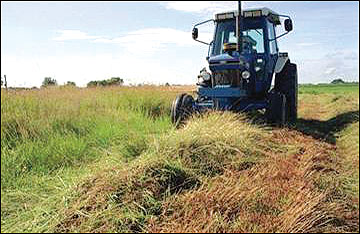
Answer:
x=70 y=83
x=92 y=84
x=48 y=81
x=338 y=81
x=113 y=81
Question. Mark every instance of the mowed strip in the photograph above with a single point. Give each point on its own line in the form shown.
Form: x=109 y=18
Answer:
x=282 y=193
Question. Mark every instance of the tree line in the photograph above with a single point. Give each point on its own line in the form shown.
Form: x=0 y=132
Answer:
x=117 y=81
x=113 y=81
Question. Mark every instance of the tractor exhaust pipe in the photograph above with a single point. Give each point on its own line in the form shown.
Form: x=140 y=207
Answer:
x=238 y=28
x=239 y=41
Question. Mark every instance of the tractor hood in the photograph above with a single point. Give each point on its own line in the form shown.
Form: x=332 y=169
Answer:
x=227 y=61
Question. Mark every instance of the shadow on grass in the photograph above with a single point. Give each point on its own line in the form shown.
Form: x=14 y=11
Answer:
x=324 y=130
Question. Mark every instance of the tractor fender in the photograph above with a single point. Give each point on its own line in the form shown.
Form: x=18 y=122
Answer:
x=281 y=61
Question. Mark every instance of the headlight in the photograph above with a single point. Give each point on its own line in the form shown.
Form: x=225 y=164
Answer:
x=205 y=75
x=245 y=74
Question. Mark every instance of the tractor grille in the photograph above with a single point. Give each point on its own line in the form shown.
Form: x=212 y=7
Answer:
x=227 y=77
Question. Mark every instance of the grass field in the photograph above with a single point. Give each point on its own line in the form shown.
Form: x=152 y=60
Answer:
x=109 y=160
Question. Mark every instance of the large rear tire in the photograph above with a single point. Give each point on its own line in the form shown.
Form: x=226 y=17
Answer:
x=286 y=82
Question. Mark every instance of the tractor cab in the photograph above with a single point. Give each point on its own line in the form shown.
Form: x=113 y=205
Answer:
x=243 y=58
x=259 y=49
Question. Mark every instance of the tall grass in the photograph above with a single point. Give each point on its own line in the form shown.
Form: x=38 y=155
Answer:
x=42 y=131
x=49 y=134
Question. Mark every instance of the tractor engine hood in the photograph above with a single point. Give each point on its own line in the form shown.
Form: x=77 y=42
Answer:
x=227 y=61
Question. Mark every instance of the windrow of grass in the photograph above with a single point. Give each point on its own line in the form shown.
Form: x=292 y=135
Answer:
x=219 y=173
x=348 y=149
x=283 y=192
x=125 y=199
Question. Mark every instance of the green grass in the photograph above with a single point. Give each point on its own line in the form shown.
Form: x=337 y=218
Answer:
x=42 y=131
x=108 y=159
x=329 y=88
x=348 y=148
x=49 y=135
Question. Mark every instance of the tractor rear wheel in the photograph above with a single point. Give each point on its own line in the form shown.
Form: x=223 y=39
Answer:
x=182 y=108
x=286 y=82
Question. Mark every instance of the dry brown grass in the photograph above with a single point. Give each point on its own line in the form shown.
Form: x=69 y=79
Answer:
x=165 y=190
x=277 y=195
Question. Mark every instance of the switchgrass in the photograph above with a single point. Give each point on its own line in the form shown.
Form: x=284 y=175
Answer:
x=42 y=131
x=108 y=160
x=47 y=135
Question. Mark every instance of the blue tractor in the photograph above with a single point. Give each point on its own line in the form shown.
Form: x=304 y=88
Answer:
x=243 y=59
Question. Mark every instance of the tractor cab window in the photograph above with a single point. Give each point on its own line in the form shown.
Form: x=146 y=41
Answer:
x=253 y=39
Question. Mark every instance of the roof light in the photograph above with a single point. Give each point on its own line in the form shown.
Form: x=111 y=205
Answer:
x=255 y=13
x=224 y=16
x=248 y=14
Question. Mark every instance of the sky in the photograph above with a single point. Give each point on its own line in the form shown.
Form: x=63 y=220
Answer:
x=150 y=42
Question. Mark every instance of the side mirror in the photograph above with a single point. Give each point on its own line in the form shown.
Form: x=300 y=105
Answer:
x=288 y=25
x=195 y=33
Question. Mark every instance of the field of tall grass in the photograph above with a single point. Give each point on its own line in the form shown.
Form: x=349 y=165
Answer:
x=109 y=160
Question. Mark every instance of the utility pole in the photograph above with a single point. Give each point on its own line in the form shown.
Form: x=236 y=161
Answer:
x=5 y=82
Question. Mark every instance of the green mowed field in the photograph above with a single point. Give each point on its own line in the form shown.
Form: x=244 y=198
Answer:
x=109 y=160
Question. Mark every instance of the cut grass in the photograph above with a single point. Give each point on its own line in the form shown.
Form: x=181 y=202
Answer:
x=277 y=195
x=174 y=163
x=348 y=148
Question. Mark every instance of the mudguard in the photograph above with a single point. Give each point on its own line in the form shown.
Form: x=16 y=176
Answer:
x=281 y=61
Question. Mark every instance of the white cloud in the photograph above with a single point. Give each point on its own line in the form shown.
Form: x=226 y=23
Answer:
x=66 y=35
x=201 y=6
x=330 y=70
x=213 y=7
x=331 y=66
x=306 y=44
x=145 y=41
x=152 y=39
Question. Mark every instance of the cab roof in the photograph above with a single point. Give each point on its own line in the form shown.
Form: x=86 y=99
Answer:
x=252 y=12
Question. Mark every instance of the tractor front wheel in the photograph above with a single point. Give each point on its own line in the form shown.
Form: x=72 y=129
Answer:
x=182 y=108
x=276 y=111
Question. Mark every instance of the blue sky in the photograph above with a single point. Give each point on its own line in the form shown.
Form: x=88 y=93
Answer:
x=150 y=42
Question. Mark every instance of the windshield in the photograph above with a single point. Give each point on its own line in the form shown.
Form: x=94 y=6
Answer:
x=253 y=39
